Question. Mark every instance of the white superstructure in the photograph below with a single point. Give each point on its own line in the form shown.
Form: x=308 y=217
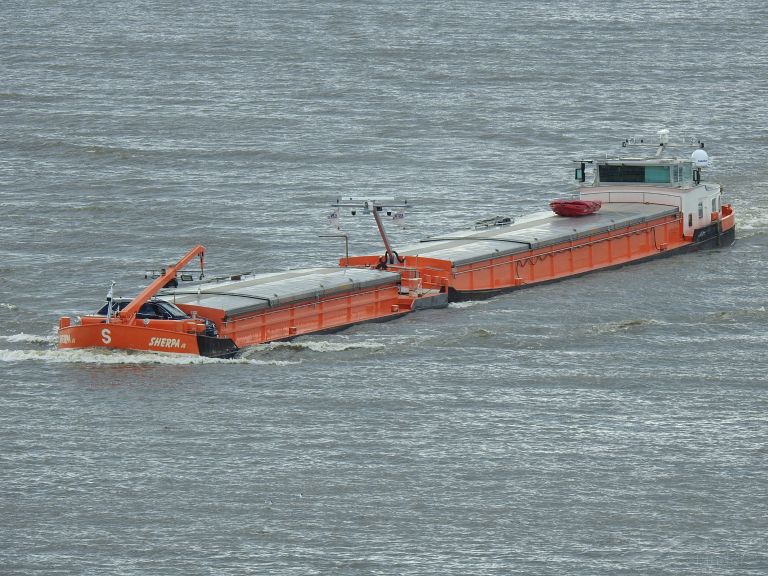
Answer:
x=663 y=178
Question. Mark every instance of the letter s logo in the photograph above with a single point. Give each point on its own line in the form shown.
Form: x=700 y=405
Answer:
x=106 y=336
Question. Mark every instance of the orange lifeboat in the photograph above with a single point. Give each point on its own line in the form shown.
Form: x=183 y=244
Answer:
x=572 y=208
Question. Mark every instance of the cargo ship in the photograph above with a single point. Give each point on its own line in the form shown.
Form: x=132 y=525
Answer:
x=630 y=208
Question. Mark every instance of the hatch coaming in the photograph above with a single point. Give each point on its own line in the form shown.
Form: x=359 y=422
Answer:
x=272 y=290
x=267 y=307
x=537 y=231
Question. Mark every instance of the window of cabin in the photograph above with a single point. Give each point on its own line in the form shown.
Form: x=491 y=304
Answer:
x=682 y=172
x=646 y=174
x=657 y=174
x=701 y=210
x=714 y=204
x=621 y=173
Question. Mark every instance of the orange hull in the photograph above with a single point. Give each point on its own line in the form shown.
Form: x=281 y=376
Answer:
x=250 y=311
x=573 y=258
x=127 y=337
x=266 y=326
x=126 y=331
x=305 y=317
x=648 y=207
x=554 y=262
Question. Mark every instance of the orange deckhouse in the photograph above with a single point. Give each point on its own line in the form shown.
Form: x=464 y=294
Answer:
x=630 y=209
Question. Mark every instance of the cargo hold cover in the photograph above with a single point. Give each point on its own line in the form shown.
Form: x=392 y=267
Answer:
x=535 y=231
x=261 y=291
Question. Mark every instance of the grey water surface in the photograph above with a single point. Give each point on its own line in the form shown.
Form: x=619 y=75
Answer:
x=609 y=424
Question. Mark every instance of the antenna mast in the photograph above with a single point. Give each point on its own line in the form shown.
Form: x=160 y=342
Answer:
x=374 y=206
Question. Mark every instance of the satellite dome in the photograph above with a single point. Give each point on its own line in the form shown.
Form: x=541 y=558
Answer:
x=700 y=158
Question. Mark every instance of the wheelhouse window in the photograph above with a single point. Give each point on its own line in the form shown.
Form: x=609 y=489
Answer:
x=681 y=173
x=610 y=173
x=657 y=174
x=645 y=174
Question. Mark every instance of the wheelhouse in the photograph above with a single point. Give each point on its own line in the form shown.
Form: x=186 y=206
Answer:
x=662 y=178
x=667 y=172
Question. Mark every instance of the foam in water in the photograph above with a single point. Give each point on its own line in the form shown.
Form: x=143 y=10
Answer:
x=122 y=357
x=319 y=346
x=751 y=215
x=483 y=333
x=29 y=338
x=626 y=326
x=739 y=314
x=96 y=356
x=752 y=221
x=467 y=304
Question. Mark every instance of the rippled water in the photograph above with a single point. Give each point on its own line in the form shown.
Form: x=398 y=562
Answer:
x=610 y=424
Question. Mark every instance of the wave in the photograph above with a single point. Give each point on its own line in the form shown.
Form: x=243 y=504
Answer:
x=117 y=357
x=318 y=346
x=467 y=304
x=483 y=333
x=626 y=326
x=738 y=314
x=752 y=222
x=8 y=306
x=751 y=215
x=251 y=355
x=30 y=338
x=131 y=149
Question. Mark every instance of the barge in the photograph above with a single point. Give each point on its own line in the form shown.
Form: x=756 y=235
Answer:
x=640 y=208
x=217 y=317
x=633 y=208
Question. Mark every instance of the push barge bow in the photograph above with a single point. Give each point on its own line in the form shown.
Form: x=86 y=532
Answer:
x=217 y=317
x=147 y=323
x=632 y=209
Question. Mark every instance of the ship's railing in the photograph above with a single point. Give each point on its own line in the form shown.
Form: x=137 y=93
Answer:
x=681 y=141
x=644 y=196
